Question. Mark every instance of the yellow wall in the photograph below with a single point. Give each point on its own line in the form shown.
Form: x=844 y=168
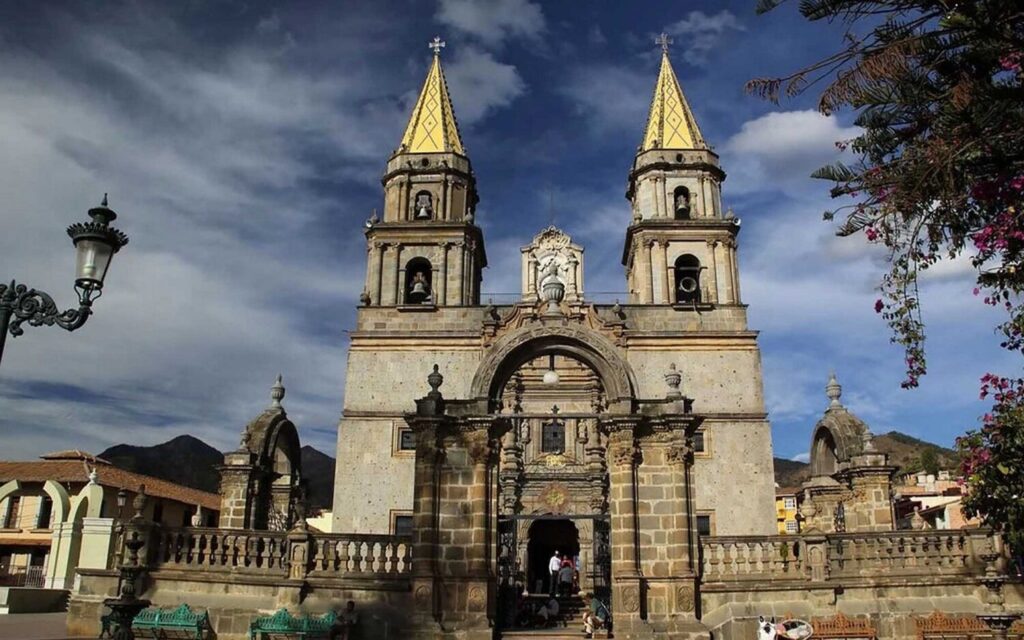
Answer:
x=784 y=515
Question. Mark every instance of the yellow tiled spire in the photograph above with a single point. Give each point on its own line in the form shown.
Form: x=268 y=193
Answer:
x=671 y=124
x=432 y=127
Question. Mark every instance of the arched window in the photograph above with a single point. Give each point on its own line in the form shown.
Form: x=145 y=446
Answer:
x=423 y=206
x=681 y=203
x=687 y=279
x=418 y=285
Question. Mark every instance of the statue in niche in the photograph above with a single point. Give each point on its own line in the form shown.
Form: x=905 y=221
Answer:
x=424 y=206
x=419 y=289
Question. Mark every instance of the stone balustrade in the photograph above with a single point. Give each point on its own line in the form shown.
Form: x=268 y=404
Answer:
x=336 y=554
x=751 y=558
x=847 y=556
x=272 y=553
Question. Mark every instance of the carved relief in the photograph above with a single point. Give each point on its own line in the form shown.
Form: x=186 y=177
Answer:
x=477 y=599
x=839 y=626
x=422 y=596
x=552 y=254
x=631 y=599
x=685 y=599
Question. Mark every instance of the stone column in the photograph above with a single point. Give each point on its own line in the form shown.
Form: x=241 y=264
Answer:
x=531 y=278
x=399 y=272
x=446 y=198
x=403 y=200
x=661 y=267
x=659 y=196
x=726 y=272
x=712 y=273
x=648 y=266
x=441 y=283
x=729 y=247
x=425 y=519
x=235 y=490
x=458 y=293
x=626 y=579
x=374 y=272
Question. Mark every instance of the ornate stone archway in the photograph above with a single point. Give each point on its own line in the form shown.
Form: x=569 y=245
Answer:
x=590 y=347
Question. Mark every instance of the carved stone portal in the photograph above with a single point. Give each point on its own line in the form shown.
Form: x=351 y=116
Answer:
x=552 y=256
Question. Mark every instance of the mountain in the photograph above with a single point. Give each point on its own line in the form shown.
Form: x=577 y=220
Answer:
x=908 y=453
x=911 y=454
x=184 y=460
x=191 y=462
x=318 y=470
x=790 y=473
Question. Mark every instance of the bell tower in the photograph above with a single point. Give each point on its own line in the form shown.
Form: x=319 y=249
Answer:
x=425 y=251
x=680 y=248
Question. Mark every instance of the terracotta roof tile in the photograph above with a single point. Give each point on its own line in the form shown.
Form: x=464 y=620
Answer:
x=77 y=471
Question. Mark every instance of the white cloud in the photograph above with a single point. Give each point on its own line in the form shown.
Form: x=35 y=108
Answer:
x=493 y=21
x=480 y=84
x=610 y=98
x=699 y=33
x=782 y=147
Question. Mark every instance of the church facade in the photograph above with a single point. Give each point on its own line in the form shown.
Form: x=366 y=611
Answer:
x=478 y=439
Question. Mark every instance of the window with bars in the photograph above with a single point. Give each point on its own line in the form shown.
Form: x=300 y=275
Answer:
x=403 y=525
x=792 y=526
x=406 y=440
x=698 y=442
x=789 y=503
x=552 y=438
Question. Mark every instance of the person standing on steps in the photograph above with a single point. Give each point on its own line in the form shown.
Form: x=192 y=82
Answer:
x=554 y=564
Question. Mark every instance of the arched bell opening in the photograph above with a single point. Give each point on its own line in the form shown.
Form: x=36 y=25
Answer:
x=419 y=275
x=824 y=461
x=687 y=277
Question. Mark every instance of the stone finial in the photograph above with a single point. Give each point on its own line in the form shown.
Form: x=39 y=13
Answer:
x=617 y=308
x=435 y=379
x=364 y=298
x=139 y=502
x=807 y=509
x=673 y=379
x=834 y=391
x=276 y=393
x=197 y=517
x=868 y=440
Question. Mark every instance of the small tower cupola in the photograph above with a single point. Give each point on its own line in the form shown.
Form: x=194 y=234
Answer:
x=426 y=251
x=679 y=250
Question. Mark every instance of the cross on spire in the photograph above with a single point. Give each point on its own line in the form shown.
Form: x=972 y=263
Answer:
x=436 y=44
x=663 y=40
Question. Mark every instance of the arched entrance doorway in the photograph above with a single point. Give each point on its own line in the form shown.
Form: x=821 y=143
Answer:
x=552 y=469
x=547 y=537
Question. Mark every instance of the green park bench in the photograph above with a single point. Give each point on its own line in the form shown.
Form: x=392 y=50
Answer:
x=285 y=624
x=181 y=622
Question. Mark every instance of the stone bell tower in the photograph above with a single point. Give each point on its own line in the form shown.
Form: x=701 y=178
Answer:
x=426 y=250
x=680 y=248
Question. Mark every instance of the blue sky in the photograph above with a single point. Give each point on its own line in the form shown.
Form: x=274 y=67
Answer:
x=243 y=143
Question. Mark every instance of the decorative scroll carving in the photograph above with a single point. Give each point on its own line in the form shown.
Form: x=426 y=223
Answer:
x=685 y=599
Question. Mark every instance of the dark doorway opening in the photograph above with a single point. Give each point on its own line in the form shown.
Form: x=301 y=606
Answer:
x=546 y=537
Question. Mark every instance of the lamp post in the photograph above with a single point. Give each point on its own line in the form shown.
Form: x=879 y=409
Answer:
x=95 y=243
x=127 y=605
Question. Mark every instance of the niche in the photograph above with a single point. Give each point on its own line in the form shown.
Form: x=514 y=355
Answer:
x=681 y=203
x=423 y=206
x=687 y=270
x=418 y=285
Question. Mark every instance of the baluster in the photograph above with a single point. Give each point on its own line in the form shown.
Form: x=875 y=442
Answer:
x=357 y=557
x=343 y=557
x=393 y=569
x=320 y=555
x=406 y=558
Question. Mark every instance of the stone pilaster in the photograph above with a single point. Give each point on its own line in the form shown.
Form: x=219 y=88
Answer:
x=236 y=476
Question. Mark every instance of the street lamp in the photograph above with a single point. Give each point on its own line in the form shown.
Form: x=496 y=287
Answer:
x=95 y=243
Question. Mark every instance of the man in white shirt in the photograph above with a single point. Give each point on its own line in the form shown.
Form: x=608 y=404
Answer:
x=554 y=564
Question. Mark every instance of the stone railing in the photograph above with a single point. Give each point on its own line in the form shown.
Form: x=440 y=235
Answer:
x=356 y=555
x=905 y=553
x=743 y=558
x=848 y=556
x=293 y=554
